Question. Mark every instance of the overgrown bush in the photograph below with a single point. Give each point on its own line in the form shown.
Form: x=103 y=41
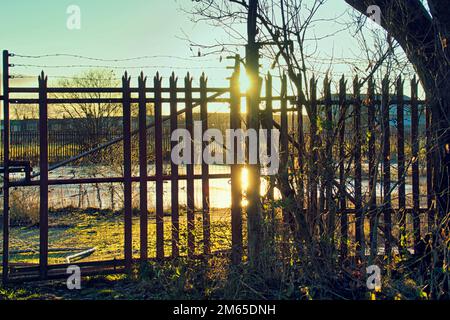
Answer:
x=24 y=206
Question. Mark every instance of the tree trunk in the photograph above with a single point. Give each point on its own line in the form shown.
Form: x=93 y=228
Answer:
x=438 y=98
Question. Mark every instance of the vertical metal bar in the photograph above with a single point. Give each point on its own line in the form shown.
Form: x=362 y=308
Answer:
x=431 y=216
x=190 y=168
x=127 y=171
x=301 y=143
x=236 y=170
x=284 y=137
x=387 y=206
x=313 y=149
x=330 y=207
x=6 y=144
x=205 y=168
x=288 y=222
x=43 y=184
x=143 y=183
x=401 y=162
x=415 y=163
x=269 y=127
x=174 y=169
x=371 y=108
x=342 y=176
x=159 y=169
x=359 y=233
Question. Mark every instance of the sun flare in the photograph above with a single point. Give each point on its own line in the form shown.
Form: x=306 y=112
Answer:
x=244 y=82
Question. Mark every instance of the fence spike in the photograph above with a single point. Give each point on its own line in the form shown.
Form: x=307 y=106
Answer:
x=173 y=79
x=158 y=78
x=356 y=82
x=42 y=77
x=203 y=79
x=188 y=78
x=142 y=79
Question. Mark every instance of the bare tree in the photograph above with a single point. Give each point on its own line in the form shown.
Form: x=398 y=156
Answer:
x=91 y=121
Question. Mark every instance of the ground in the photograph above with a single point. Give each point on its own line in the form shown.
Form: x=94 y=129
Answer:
x=208 y=278
x=104 y=231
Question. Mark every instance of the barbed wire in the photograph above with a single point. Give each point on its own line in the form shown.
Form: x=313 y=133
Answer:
x=115 y=67
x=111 y=60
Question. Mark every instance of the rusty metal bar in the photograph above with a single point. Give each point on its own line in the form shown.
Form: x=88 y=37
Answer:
x=429 y=144
x=329 y=175
x=236 y=171
x=284 y=140
x=342 y=156
x=108 y=90
x=143 y=173
x=43 y=185
x=373 y=211
x=61 y=182
x=300 y=143
x=128 y=248
x=190 y=169
x=174 y=170
x=25 y=101
x=401 y=173
x=415 y=163
x=159 y=169
x=6 y=186
x=268 y=123
x=205 y=168
x=312 y=172
x=359 y=227
x=385 y=125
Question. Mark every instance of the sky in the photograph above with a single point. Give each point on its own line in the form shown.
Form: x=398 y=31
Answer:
x=126 y=29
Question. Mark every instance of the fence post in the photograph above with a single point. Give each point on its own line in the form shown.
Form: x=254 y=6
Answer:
x=370 y=102
x=159 y=169
x=43 y=184
x=312 y=179
x=359 y=227
x=268 y=117
x=236 y=171
x=174 y=169
x=429 y=144
x=284 y=146
x=342 y=175
x=415 y=163
x=126 y=96
x=301 y=142
x=387 y=206
x=205 y=167
x=143 y=182
x=330 y=205
x=401 y=163
x=6 y=144
x=190 y=168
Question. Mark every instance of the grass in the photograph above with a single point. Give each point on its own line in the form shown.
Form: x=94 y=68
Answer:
x=286 y=276
x=104 y=230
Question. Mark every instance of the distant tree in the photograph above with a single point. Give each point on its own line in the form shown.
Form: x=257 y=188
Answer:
x=91 y=120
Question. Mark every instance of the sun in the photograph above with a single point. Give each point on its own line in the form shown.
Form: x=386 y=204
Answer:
x=244 y=82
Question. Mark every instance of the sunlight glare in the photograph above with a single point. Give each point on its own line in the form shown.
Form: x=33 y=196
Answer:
x=244 y=82
x=244 y=184
x=244 y=179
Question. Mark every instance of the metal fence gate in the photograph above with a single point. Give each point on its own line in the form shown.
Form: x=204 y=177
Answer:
x=298 y=143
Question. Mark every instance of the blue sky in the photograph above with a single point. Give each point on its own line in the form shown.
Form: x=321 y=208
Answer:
x=124 y=29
